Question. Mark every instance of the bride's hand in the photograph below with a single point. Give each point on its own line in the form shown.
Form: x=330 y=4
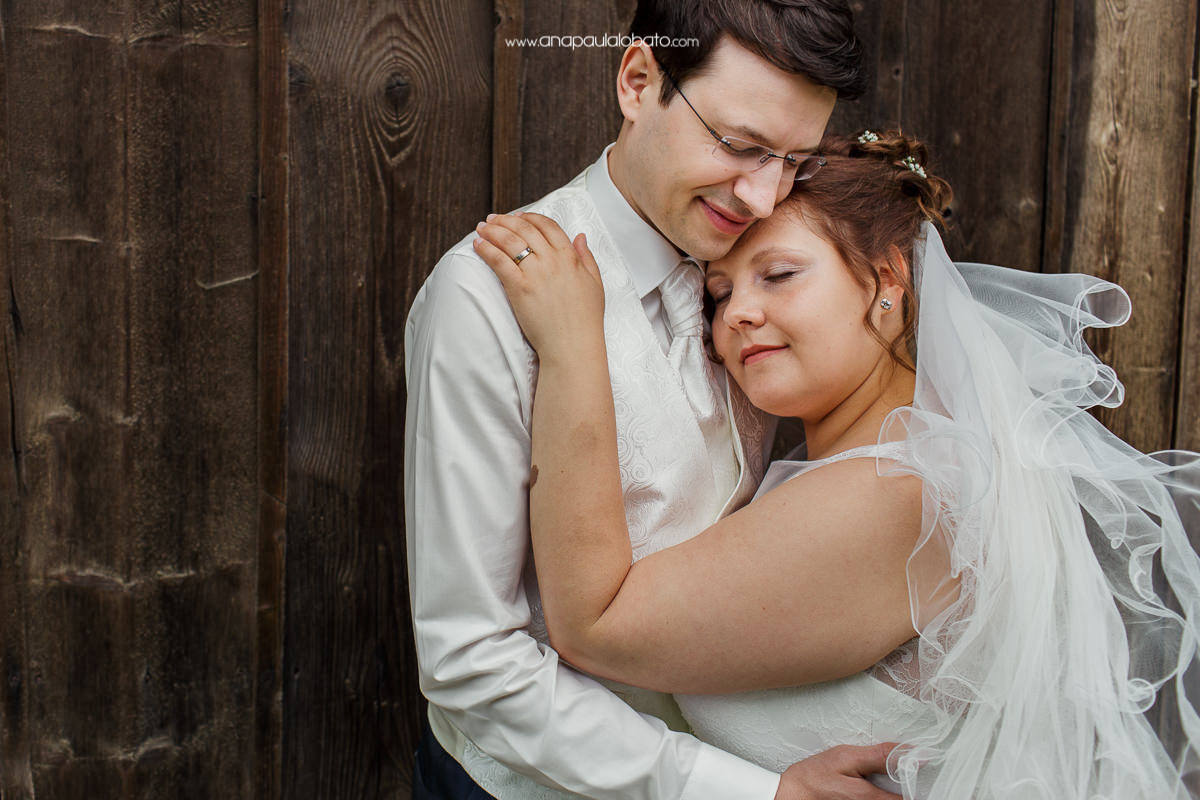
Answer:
x=555 y=290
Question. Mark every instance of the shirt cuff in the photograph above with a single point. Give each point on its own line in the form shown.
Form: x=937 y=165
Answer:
x=720 y=774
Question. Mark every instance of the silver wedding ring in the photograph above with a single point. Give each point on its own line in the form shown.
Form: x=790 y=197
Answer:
x=524 y=254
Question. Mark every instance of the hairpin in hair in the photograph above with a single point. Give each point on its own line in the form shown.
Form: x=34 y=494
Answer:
x=911 y=163
x=867 y=136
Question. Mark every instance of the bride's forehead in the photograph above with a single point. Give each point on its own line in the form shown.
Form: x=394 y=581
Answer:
x=782 y=235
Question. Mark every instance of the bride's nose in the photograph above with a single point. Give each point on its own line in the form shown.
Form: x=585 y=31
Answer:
x=742 y=310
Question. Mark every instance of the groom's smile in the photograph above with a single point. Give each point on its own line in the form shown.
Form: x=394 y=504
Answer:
x=725 y=221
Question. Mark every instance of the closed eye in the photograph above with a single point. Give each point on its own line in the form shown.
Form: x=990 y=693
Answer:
x=746 y=150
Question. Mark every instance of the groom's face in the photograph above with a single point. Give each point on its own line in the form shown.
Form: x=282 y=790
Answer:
x=696 y=196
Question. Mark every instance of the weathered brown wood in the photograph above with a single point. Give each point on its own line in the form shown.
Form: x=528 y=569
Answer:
x=51 y=236
x=1061 y=136
x=16 y=768
x=191 y=166
x=272 y=397
x=67 y=273
x=568 y=102
x=506 y=105
x=1126 y=213
x=201 y=544
x=970 y=80
x=881 y=29
x=130 y=260
x=1187 y=415
x=975 y=79
x=389 y=124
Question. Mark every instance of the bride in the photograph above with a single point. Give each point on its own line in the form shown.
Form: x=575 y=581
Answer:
x=959 y=558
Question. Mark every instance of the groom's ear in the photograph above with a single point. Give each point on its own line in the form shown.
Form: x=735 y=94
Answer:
x=639 y=80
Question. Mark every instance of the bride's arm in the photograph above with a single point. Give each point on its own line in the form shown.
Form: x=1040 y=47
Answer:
x=576 y=510
x=805 y=584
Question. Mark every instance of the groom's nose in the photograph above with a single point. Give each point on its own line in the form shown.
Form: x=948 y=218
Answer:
x=760 y=189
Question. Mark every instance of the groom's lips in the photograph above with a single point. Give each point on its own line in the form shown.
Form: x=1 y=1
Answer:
x=724 y=221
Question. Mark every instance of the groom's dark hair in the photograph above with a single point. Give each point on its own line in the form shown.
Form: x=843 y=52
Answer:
x=813 y=38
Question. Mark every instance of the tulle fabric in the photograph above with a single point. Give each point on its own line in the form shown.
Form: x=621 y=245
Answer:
x=1054 y=587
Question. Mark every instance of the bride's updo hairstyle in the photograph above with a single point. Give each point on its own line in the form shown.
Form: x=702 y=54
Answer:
x=869 y=202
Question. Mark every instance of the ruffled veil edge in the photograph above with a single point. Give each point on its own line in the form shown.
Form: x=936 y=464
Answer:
x=1059 y=652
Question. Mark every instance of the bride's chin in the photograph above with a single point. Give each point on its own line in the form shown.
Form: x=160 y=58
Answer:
x=770 y=404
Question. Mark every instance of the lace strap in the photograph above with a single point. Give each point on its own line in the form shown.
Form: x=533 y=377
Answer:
x=784 y=470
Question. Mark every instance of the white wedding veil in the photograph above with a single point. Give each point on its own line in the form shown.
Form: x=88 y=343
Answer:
x=1054 y=587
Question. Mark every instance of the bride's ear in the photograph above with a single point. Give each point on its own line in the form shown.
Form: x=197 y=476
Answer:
x=894 y=273
x=639 y=80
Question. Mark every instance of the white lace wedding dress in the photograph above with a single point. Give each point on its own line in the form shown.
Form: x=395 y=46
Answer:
x=777 y=727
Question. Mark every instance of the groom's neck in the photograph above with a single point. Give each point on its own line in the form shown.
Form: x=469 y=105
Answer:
x=619 y=169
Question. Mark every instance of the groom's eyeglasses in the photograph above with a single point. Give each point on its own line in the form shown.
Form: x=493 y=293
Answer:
x=747 y=156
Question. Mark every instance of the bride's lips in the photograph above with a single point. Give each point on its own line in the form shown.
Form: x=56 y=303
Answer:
x=758 y=352
x=724 y=221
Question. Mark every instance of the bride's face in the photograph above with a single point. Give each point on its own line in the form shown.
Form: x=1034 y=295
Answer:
x=788 y=320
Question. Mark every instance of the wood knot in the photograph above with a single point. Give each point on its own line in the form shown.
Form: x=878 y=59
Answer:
x=398 y=88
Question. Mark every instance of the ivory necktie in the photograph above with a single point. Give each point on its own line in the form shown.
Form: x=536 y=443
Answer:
x=681 y=303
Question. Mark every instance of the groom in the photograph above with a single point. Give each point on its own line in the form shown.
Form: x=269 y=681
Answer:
x=507 y=718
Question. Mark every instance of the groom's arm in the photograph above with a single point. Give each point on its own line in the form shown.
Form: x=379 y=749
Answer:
x=469 y=377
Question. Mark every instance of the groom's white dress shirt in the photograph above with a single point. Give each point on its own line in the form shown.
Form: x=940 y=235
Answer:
x=522 y=723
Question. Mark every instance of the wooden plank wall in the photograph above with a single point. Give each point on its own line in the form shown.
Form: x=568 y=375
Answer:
x=214 y=216
x=130 y=511
x=389 y=160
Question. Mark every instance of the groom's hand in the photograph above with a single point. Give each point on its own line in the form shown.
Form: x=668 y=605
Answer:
x=839 y=773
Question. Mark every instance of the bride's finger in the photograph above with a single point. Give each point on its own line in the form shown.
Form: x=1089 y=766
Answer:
x=507 y=242
x=585 y=254
x=551 y=231
x=519 y=227
x=507 y=270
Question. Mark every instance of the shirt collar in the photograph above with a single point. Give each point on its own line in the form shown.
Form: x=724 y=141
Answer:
x=647 y=253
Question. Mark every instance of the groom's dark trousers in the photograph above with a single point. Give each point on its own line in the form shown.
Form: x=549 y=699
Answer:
x=437 y=776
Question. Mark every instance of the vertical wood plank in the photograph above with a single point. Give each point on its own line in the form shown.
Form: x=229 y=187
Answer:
x=568 y=102
x=131 y=133
x=389 y=124
x=1187 y=417
x=882 y=31
x=1063 y=135
x=191 y=164
x=70 y=360
x=969 y=79
x=16 y=768
x=1125 y=212
x=272 y=397
x=975 y=78
x=506 y=105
